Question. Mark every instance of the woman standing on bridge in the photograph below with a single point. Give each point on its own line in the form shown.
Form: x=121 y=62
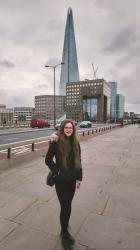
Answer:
x=67 y=166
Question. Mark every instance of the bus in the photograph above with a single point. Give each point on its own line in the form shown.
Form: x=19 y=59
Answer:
x=39 y=123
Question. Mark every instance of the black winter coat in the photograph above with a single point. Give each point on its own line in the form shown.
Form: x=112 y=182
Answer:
x=67 y=174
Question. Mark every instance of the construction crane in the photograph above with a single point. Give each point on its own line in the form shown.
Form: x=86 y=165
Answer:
x=94 y=72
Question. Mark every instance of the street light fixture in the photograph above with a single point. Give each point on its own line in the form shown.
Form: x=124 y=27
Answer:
x=54 y=67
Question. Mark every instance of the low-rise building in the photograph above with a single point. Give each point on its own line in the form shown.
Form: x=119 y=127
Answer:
x=44 y=106
x=23 y=114
x=2 y=106
x=6 y=115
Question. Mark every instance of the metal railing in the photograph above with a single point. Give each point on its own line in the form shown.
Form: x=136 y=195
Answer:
x=83 y=132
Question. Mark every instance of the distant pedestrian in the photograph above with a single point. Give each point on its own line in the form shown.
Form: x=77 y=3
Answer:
x=122 y=122
x=67 y=166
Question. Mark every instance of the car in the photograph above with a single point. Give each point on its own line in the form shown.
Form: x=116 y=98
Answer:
x=85 y=124
x=57 y=126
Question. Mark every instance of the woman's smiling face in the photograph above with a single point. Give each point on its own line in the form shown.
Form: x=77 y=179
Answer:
x=68 y=129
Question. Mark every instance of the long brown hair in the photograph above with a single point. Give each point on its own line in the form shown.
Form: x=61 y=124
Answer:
x=68 y=146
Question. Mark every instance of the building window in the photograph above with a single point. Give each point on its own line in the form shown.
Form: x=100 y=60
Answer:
x=90 y=109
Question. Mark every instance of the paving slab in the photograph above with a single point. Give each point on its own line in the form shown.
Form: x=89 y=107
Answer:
x=15 y=177
x=24 y=238
x=125 y=208
x=106 y=233
x=11 y=204
x=42 y=216
x=93 y=202
x=97 y=171
x=122 y=189
x=33 y=188
x=6 y=227
x=131 y=175
x=132 y=163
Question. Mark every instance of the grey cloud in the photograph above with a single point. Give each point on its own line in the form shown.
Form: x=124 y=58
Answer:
x=122 y=41
x=52 y=61
x=42 y=86
x=7 y=64
x=136 y=101
x=15 y=98
x=129 y=86
x=131 y=56
x=118 y=5
x=9 y=98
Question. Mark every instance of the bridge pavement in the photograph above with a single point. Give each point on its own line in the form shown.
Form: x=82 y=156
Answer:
x=106 y=209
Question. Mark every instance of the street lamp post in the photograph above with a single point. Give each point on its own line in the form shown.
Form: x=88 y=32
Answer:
x=54 y=67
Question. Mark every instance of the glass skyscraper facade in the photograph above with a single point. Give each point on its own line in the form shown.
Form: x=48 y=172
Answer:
x=120 y=106
x=69 y=70
x=113 y=100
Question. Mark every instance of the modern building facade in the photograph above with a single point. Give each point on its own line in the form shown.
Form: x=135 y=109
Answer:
x=2 y=106
x=113 y=100
x=44 y=106
x=23 y=114
x=6 y=115
x=69 y=71
x=88 y=100
x=120 y=106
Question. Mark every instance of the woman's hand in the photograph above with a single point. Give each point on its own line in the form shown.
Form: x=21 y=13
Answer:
x=78 y=183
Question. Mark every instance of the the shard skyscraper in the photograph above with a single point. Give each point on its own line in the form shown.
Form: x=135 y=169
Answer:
x=69 y=71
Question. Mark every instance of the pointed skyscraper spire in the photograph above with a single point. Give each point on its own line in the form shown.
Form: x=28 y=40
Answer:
x=69 y=71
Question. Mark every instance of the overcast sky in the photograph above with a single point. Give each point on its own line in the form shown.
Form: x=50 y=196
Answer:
x=107 y=34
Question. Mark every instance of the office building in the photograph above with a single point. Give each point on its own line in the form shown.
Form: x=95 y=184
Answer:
x=2 y=106
x=23 y=114
x=113 y=100
x=69 y=71
x=88 y=100
x=120 y=106
x=44 y=106
x=6 y=115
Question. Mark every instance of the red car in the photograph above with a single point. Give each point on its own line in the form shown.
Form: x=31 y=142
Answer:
x=39 y=123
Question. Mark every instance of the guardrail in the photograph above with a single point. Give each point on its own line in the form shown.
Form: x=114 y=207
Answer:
x=95 y=131
x=33 y=142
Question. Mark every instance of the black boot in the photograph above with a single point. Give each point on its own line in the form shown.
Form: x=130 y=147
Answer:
x=67 y=237
x=67 y=246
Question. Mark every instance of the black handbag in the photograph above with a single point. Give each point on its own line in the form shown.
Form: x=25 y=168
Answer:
x=50 y=181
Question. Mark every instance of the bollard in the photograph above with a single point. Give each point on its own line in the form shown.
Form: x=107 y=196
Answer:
x=88 y=132
x=9 y=153
x=83 y=133
x=92 y=131
x=33 y=146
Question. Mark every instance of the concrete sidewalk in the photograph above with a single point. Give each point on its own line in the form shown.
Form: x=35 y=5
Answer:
x=106 y=209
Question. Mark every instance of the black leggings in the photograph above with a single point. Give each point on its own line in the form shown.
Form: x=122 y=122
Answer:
x=65 y=192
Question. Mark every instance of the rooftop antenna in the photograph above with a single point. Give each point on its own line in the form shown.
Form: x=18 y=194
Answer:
x=94 y=72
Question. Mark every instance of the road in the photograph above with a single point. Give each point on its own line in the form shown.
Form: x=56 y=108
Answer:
x=22 y=134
